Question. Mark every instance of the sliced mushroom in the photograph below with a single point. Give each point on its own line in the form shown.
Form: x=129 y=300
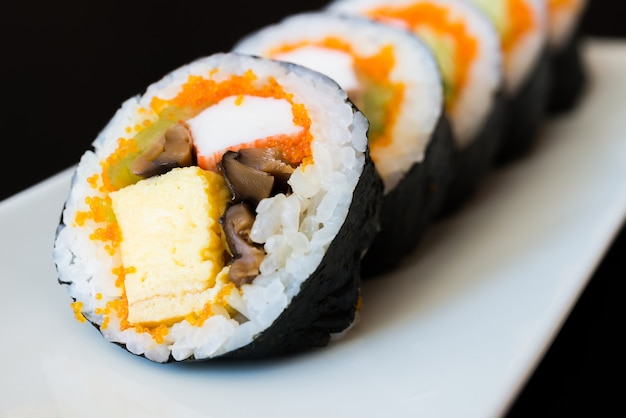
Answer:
x=253 y=174
x=245 y=183
x=269 y=160
x=170 y=150
x=247 y=255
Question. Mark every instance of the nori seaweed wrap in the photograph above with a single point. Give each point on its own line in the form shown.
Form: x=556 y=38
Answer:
x=527 y=110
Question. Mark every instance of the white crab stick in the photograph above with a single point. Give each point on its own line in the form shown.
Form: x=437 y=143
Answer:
x=337 y=65
x=238 y=120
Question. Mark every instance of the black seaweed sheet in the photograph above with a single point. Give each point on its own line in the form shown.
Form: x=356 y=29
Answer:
x=475 y=161
x=568 y=86
x=526 y=112
x=413 y=204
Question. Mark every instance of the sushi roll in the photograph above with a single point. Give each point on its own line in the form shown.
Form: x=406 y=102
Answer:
x=223 y=213
x=569 y=72
x=523 y=29
x=394 y=80
x=468 y=53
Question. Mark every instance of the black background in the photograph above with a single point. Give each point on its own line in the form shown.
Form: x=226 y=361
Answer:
x=66 y=67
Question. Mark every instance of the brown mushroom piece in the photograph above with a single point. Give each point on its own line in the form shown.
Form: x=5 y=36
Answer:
x=269 y=160
x=170 y=150
x=247 y=256
x=247 y=184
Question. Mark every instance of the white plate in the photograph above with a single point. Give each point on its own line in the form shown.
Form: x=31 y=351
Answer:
x=456 y=331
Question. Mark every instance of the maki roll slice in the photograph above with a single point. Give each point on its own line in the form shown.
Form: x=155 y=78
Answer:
x=223 y=213
x=393 y=78
x=568 y=68
x=468 y=54
x=523 y=29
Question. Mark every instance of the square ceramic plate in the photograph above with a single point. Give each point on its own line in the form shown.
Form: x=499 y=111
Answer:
x=455 y=331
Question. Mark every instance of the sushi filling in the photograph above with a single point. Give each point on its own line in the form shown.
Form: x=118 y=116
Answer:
x=166 y=291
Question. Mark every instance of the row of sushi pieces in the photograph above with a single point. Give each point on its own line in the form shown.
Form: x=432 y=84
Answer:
x=234 y=209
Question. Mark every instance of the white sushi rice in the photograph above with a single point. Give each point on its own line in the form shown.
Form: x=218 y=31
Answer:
x=476 y=99
x=414 y=67
x=296 y=230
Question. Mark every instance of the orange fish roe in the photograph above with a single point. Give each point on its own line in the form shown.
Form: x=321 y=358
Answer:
x=158 y=332
x=223 y=294
x=438 y=19
x=120 y=307
x=197 y=318
x=93 y=181
x=100 y=211
x=120 y=272
x=375 y=69
x=561 y=4
x=76 y=308
x=521 y=22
